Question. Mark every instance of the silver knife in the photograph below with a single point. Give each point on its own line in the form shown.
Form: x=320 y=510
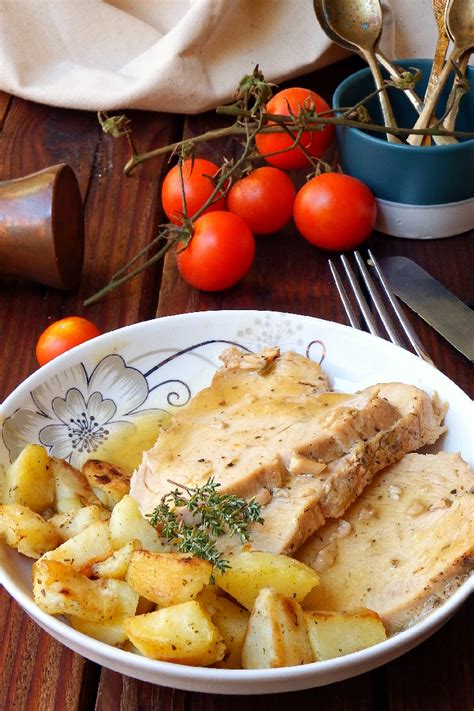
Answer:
x=432 y=301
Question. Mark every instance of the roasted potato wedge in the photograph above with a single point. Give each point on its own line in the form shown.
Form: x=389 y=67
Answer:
x=231 y=620
x=116 y=565
x=60 y=590
x=29 y=480
x=184 y=634
x=27 y=531
x=108 y=482
x=88 y=547
x=111 y=631
x=127 y=523
x=251 y=571
x=72 y=488
x=333 y=634
x=167 y=578
x=70 y=524
x=276 y=635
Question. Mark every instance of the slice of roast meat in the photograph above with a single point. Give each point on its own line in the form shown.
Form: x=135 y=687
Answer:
x=404 y=544
x=268 y=427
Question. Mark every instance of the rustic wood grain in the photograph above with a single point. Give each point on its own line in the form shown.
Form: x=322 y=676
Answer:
x=5 y=100
x=38 y=673
x=124 y=694
x=121 y=215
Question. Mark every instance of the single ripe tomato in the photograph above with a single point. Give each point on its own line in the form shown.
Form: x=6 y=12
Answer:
x=264 y=199
x=63 y=335
x=315 y=142
x=335 y=211
x=220 y=252
x=198 y=187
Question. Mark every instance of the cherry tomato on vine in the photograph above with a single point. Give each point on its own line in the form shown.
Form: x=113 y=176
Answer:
x=198 y=187
x=63 y=335
x=335 y=211
x=220 y=252
x=315 y=142
x=264 y=199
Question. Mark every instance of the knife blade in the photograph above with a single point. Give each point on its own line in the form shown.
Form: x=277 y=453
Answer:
x=432 y=301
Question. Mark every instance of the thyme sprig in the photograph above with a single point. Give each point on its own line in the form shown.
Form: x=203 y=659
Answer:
x=213 y=515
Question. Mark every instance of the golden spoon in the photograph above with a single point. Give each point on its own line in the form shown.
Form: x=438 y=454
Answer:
x=460 y=25
x=439 y=10
x=359 y=22
x=319 y=7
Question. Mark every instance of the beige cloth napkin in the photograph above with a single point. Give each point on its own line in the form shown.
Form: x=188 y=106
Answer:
x=173 y=55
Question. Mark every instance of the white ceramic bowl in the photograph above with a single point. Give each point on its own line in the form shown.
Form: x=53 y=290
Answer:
x=161 y=364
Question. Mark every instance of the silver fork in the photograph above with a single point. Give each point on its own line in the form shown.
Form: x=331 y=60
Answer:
x=378 y=303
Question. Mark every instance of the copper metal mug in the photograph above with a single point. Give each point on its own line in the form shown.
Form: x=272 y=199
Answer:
x=42 y=227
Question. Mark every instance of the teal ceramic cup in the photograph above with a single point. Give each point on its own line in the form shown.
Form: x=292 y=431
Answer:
x=409 y=175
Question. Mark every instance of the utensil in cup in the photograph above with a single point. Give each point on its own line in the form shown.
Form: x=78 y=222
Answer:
x=392 y=69
x=442 y=44
x=359 y=22
x=460 y=26
x=42 y=227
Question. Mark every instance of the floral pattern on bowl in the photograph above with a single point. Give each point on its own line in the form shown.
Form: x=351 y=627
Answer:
x=76 y=411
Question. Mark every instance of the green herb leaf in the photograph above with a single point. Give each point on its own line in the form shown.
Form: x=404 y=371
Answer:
x=214 y=514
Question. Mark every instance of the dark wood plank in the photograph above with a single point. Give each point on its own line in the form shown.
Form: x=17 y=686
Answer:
x=121 y=215
x=5 y=100
x=126 y=694
x=37 y=672
x=34 y=137
x=437 y=676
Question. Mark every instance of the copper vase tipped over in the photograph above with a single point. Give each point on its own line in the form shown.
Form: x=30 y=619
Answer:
x=42 y=227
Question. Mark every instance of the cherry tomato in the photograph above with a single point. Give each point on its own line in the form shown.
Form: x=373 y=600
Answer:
x=315 y=142
x=220 y=252
x=264 y=199
x=198 y=187
x=335 y=211
x=63 y=335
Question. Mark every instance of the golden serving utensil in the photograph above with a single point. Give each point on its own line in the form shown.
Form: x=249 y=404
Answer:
x=442 y=44
x=455 y=95
x=392 y=69
x=359 y=22
x=460 y=25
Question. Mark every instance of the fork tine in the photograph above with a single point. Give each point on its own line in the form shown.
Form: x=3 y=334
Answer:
x=363 y=305
x=410 y=333
x=353 y=320
x=378 y=303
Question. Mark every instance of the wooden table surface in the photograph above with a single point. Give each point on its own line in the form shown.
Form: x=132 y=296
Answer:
x=289 y=275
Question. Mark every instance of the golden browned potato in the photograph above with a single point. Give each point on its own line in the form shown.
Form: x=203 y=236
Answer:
x=110 y=631
x=116 y=565
x=127 y=523
x=74 y=522
x=109 y=483
x=88 y=547
x=60 y=590
x=333 y=634
x=27 y=531
x=251 y=571
x=167 y=578
x=208 y=596
x=72 y=488
x=29 y=480
x=276 y=635
x=184 y=634
x=231 y=620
